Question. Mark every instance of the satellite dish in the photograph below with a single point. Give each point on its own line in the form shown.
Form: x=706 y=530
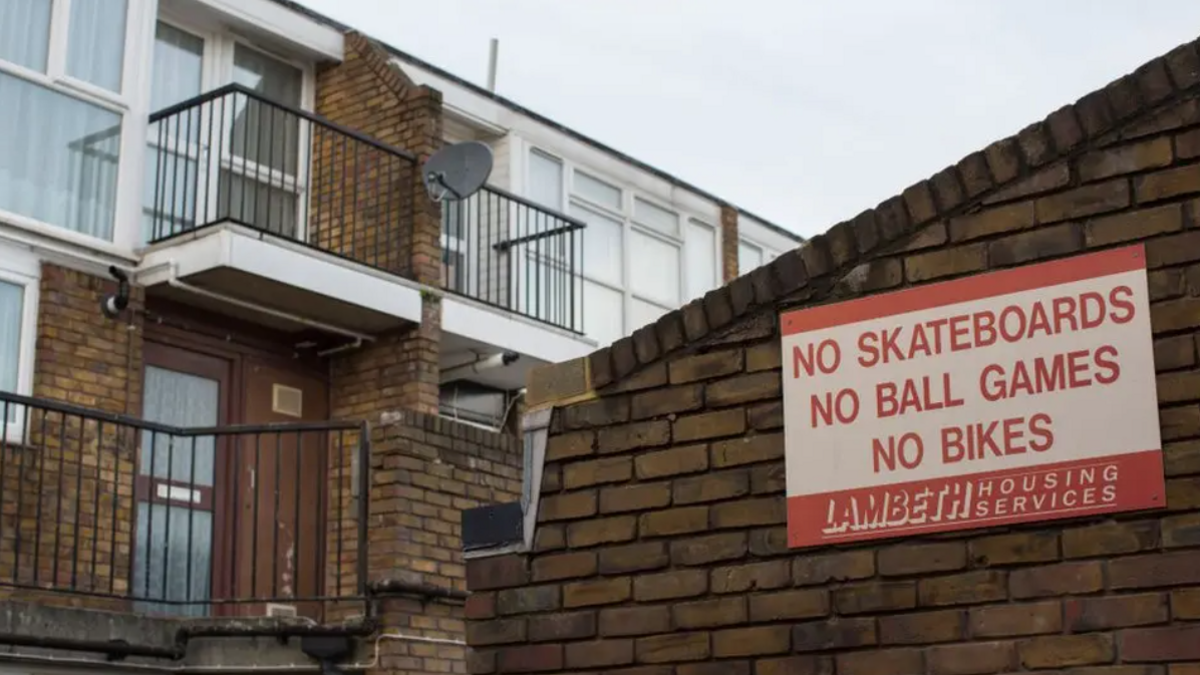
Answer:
x=457 y=171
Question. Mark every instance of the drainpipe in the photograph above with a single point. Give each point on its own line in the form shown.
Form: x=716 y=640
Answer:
x=486 y=363
x=493 y=58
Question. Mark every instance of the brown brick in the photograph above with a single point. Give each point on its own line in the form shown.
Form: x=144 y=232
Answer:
x=673 y=462
x=563 y=626
x=765 y=356
x=1183 y=494
x=1134 y=225
x=599 y=653
x=765 y=416
x=1187 y=144
x=945 y=262
x=747 y=450
x=1012 y=620
x=1111 y=538
x=528 y=600
x=798 y=665
x=922 y=628
x=1011 y=549
x=507 y=571
x=1007 y=218
x=757 y=641
x=1163 y=284
x=1182 y=530
x=877 y=661
x=633 y=436
x=1181 y=459
x=1166 y=184
x=673 y=648
x=638 y=497
x=670 y=585
x=549 y=538
x=711 y=613
x=743 y=389
x=1150 y=154
x=530 y=658
x=752 y=577
x=1061 y=579
x=595 y=592
x=1185 y=603
x=597 y=472
x=1179 y=422
x=710 y=425
x=668 y=401
x=1057 y=651
x=708 y=549
x=481 y=662
x=626 y=621
x=566 y=446
x=1153 y=570
x=715 y=668
x=968 y=587
x=1088 y=200
x=1169 y=643
x=601 y=531
x=743 y=513
x=711 y=487
x=835 y=633
x=971 y=658
x=1052 y=177
x=1044 y=242
x=646 y=555
x=480 y=606
x=495 y=632
x=780 y=605
x=1093 y=614
x=1174 y=352
x=705 y=366
x=871 y=597
x=1174 y=249
x=920 y=558
x=569 y=506
x=822 y=568
x=596 y=413
x=674 y=521
x=768 y=479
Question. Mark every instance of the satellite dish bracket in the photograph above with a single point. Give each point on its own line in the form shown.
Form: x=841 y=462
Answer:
x=457 y=171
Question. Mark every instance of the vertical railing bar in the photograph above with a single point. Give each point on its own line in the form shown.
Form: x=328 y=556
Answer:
x=58 y=498
x=296 y=527
x=4 y=479
x=78 y=505
x=271 y=169
x=37 y=529
x=28 y=415
x=157 y=209
x=96 y=501
x=342 y=199
x=191 y=523
x=364 y=492
x=235 y=449
x=150 y=478
x=257 y=483
x=341 y=475
x=233 y=155
x=278 y=477
x=204 y=162
x=116 y=497
x=171 y=438
x=322 y=516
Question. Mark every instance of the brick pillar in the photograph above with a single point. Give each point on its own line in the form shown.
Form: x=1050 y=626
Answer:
x=729 y=243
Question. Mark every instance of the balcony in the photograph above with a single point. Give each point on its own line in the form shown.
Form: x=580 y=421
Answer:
x=269 y=204
x=111 y=512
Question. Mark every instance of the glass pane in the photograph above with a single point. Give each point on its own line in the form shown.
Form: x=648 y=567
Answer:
x=601 y=244
x=176 y=566
x=263 y=133
x=257 y=204
x=597 y=191
x=749 y=257
x=644 y=313
x=11 y=306
x=169 y=186
x=700 y=249
x=182 y=400
x=654 y=268
x=60 y=158
x=545 y=180
x=603 y=319
x=656 y=217
x=178 y=67
x=96 y=46
x=25 y=32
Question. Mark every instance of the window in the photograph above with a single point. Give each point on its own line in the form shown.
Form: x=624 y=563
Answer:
x=750 y=257
x=18 y=318
x=61 y=80
x=702 y=262
x=545 y=180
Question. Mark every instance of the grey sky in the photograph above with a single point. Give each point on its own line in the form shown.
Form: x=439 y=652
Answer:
x=805 y=112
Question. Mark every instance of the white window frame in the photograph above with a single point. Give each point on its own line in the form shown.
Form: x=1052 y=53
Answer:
x=626 y=217
x=768 y=254
x=129 y=103
x=22 y=268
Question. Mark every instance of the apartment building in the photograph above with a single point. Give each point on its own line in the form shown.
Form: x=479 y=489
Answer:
x=233 y=321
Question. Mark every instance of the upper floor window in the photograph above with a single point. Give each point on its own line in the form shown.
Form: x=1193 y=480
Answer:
x=18 y=301
x=752 y=256
x=61 y=81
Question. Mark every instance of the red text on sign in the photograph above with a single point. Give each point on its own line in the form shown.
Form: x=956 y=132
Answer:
x=1070 y=370
x=998 y=438
x=914 y=395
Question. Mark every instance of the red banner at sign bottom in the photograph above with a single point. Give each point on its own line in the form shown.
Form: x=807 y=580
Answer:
x=1047 y=492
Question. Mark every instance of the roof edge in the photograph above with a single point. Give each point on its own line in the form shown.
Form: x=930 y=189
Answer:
x=826 y=257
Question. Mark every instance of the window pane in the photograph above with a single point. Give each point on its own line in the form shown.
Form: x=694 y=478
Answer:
x=749 y=257
x=25 y=32
x=178 y=58
x=545 y=180
x=263 y=133
x=60 y=158
x=601 y=313
x=601 y=244
x=644 y=313
x=97 y=43
x=701 y=248
x=654 y=268
x=656 y=217
x=597 y=191
x=11 y=300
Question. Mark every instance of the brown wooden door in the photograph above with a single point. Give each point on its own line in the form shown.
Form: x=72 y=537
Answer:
x=280 y=532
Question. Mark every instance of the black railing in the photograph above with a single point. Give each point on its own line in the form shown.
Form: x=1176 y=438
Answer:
x=153 y=518
x=231 y=155
x=510 y=252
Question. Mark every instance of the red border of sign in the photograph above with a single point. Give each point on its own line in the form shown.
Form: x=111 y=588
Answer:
x=990 y=285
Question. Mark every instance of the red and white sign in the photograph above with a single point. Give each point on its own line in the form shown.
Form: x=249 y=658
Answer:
x=1020 y=395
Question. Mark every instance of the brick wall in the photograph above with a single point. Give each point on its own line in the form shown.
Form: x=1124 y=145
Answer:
x=729 y=244
x=661 y=546
x=425 y=471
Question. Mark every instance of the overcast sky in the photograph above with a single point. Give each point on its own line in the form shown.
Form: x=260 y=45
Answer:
x=805 y=112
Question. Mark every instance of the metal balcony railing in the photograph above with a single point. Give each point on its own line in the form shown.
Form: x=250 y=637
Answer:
x=131 y=515
x=510 y=252
x=232 y=155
